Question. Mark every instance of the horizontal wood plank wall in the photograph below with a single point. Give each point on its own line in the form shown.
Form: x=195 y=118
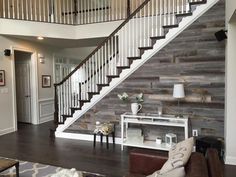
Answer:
x=195 y=58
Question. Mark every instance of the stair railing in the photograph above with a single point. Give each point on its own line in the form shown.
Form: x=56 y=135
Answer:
x=137 y=33
x=71 y=12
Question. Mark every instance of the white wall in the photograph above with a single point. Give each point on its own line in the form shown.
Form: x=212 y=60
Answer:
x=6 y=99
x=27 y=28
x=76 y=53
x=230 y=9
x=230 y=130
x=230 y=114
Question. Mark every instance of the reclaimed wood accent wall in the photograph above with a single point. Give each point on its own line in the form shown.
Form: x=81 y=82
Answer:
x=194 y=58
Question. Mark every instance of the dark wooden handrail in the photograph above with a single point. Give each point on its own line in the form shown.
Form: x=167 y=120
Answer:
x=103 y=42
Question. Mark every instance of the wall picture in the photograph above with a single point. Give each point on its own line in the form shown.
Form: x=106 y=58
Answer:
x=2 y=78
x=46 y=81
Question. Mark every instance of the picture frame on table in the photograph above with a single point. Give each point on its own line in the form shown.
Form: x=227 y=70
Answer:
x=2 y=78
x=46 y=81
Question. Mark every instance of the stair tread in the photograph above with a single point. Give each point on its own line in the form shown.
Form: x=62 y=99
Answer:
x=158 y=37
x=146 y=48
x=84 y=100
x=64 y=115
x=113 y=76
x=103 y=84
x=123 y=67
x=184 y=14
x=93 y=93
x=133 y=58
x=75 y=108
x=171 y=26
x=198 y=2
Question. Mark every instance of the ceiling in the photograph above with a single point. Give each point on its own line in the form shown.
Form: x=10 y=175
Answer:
x=62 y=43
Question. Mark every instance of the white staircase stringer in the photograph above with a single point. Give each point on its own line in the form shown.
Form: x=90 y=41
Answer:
x=173 y=33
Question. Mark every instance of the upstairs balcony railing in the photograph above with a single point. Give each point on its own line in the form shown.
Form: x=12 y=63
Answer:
x=71 y=12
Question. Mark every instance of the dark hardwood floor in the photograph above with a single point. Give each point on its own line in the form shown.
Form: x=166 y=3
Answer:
x=32 y=143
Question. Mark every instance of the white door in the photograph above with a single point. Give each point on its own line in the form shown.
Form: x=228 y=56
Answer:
x=23 y=91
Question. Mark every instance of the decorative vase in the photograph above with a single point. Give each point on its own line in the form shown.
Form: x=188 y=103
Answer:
x=135 y=108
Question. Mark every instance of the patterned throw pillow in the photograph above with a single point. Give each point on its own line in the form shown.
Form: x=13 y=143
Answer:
x=178 y=155
x=178 y=172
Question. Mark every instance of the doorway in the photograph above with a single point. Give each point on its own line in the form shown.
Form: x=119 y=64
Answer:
x=23 y=86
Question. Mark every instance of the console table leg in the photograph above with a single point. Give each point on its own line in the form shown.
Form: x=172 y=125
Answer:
x=107 y=136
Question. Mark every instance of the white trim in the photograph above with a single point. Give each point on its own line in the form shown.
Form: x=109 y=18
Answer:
x=173 y=33
x=34 y=85
x=85 y=137
x=230 y=160
x=48 y=116
x=7 y=130
x=46 y=99
x=46 y=119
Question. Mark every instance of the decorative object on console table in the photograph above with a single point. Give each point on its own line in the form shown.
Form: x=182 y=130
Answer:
x=171 y=139
x=46 y=81
x=159 y=110
x=135 y=107
x=135 y=135
x=178 y=93
x=158 y=140
x=2 y=78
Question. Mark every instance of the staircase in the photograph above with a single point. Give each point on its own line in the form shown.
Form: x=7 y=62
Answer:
x=146 y=31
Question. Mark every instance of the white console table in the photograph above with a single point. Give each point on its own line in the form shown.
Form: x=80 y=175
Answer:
x=150 y=119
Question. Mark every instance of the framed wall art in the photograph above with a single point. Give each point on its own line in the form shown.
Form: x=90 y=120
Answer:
x=2 y=78
x=46 y=81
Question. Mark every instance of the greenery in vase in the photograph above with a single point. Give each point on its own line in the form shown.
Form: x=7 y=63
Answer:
x=125 y=97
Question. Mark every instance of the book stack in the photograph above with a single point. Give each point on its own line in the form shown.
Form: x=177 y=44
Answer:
x=135 y=135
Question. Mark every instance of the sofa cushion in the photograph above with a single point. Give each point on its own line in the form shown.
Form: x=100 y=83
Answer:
x=215 y=167
x=177 y=172
x=146 y=161
x=178 y=155
x=196 y=166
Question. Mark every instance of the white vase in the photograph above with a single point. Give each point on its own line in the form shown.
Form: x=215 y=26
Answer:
x=135 y=108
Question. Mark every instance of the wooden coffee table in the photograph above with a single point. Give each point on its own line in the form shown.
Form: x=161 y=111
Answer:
x=8 y=163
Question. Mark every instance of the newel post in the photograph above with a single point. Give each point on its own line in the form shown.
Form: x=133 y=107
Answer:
x=55 y=104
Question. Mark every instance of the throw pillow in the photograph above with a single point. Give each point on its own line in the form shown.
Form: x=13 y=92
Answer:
x=178 y=155
x=177 y=172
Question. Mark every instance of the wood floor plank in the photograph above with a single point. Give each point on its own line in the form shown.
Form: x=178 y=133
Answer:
x=32 y=143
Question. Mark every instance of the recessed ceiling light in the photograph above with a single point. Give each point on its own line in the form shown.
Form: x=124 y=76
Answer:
x=40 y=38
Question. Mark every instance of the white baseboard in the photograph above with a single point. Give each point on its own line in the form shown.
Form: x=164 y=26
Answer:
x=45 y=119
x=230 y=160
x=85 y=137
x=46 y=110
x=6 y=131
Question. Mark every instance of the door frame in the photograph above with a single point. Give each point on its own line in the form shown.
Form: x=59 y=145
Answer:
x=34 y=85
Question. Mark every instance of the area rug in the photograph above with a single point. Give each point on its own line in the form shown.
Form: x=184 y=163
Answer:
x=30 y=169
